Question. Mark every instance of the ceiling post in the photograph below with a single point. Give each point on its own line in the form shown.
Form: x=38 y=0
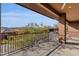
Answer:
x=62 y=28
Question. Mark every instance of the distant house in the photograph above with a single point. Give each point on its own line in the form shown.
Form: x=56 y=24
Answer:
x=9 y=32
x=3 y=36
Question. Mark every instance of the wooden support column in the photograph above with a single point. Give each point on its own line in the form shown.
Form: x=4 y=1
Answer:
x=62 y=28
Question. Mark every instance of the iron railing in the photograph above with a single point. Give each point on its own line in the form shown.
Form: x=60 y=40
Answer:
x=13 y=43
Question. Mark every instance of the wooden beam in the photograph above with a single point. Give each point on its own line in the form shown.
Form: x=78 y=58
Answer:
x=39 y=8
x=72 y=21
x=51 y=8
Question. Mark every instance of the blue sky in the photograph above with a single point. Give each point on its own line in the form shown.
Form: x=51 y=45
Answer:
x=13 y=15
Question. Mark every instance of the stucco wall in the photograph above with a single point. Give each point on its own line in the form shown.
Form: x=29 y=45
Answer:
x=73 y=29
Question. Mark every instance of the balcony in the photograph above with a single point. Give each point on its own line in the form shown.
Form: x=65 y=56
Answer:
x=45 y=43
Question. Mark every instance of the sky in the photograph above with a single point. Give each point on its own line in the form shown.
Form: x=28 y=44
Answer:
x=13 y=15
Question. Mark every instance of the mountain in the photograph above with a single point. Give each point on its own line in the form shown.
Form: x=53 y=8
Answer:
x=4 y=29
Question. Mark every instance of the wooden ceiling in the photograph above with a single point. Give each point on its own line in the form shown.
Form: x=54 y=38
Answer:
x=54 y=10
x=71 y=10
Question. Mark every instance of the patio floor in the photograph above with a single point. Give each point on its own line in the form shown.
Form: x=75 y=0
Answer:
x=41 y=50
x=67 y=50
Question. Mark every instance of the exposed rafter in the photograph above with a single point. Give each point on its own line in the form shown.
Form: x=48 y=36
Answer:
x=40 y=8
x=51 y=8
x=63 y=6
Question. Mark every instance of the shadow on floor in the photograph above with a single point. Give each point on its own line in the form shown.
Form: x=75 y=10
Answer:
x=72 y=43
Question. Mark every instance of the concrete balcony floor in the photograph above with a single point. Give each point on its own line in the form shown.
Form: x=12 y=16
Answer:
x=63 y=50
x=41 y=50
x=67 y=50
